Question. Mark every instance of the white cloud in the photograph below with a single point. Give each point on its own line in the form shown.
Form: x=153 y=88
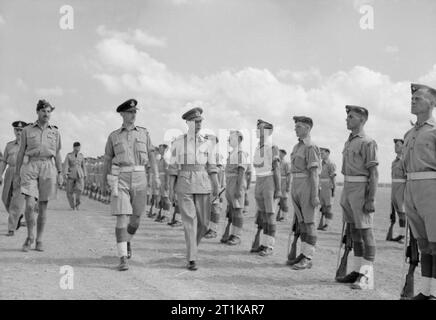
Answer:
x=136 y=36
x=50 y=92
x=236 y=99
x=2 y=20
x=188 y=2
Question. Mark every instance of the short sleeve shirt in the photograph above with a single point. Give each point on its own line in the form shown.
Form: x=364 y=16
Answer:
x=420 y=147
x=11 y=151
x=328 y=170
x=305 y=156
x=264 y=157
x=39 y=141
x=359 y=155
x=129 y=147
x=397 y=171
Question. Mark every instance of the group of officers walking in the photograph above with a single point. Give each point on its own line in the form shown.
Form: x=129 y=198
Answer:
x=190 y=175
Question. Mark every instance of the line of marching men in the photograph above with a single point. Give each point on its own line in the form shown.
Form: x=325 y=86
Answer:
x=193 y=178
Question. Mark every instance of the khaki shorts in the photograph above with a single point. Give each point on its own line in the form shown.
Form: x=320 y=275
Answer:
x=132 y=194
x=420 y=203
x=237 y=203
x=353 y=202
x=397 y=196
x=39 y=179
x=302 y=201
x=325 y=194
x=264 y=194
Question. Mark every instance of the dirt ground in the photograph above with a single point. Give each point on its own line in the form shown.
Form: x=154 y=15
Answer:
x=85 y=240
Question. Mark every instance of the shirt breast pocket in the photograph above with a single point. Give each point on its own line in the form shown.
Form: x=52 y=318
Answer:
x=51 y=140
x=141 y=148
x=119 y=147
x=33 y=140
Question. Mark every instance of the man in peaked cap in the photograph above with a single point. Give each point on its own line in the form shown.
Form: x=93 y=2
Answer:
x=419 y=162
x=75 y=174
x=327 y=186
x=397 y=192
x=193 y=164
x=11 y=196
x=267 y=191
x=285 y=174
x=359 y=167
x=36 y=172
x=128 y=151
x=305 y=165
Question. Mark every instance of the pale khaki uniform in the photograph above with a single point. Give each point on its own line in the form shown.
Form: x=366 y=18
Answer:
x=193 y=159
x=75 y=170
x=12 y=198
x=38 y=171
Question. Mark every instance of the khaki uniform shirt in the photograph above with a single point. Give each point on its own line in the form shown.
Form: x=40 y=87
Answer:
x=74 y=166
x=10 y=155
x=193 y=150
x=397 y=169
x=39 y=142
x=359 y=154
x=129 y=147
x=420 y=147
x=304 y=156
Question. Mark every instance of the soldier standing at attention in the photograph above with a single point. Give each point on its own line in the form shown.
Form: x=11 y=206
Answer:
x=267 y=191
x=35 y=171
x=285 y=173
x=397 y=189
x=75 y=173
x=216 y=207
x=236 y=185
x=128 y=150
x=327 y=186
x=11 y=196
x=359 y=167
x=420 y=201
x=305 y=165
x=193 y=163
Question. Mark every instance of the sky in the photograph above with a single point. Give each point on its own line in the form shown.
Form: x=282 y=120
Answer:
x=241 y=60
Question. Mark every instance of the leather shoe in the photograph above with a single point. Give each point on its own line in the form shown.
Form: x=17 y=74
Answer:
x=123 y=266
x=192 y=266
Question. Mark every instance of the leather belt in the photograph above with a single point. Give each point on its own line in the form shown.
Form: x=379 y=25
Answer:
x=193 y=167
x=40 y=158
x=398 y=180
x=132 y=169
x=324 y=179
x=424 y=175
x=355 y=179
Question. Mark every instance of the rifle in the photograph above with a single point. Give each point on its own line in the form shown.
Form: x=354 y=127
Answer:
x=389 y=236
x=348 y=242
x=292 y=253
x=411 y=252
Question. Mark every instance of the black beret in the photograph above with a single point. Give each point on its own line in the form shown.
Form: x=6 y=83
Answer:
x=76 y=144
x=325 y=149
x=43 y=104
x=266 y=125
x=19 y=124
x=304 y=119
x=127 y=105
x=360 y=110
x=163 y=145
x=284 y=151
x=193 y=115
x=415 y=87
x=397 y=140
